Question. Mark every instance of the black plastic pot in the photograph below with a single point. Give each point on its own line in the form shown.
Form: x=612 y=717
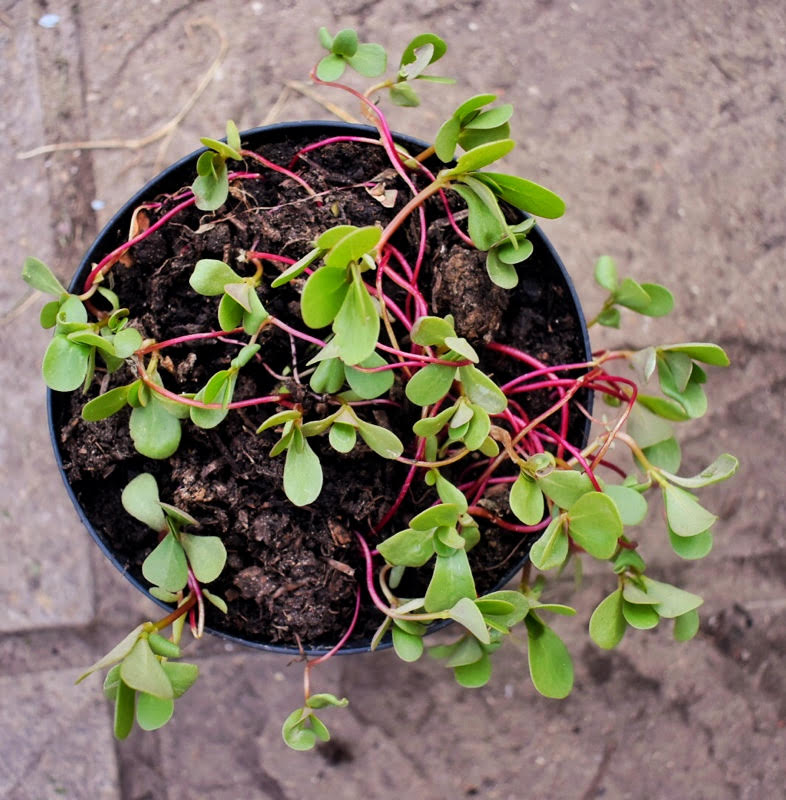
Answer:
x=182 y=173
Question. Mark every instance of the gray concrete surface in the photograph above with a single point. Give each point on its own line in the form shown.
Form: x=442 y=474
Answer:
x=663 y=126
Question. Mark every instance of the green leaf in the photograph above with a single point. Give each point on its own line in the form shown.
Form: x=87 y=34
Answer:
x=230 y=313
x=565 y=486
x=212 y=188
x=409 y=547
x=525 y=195
x=510 y=253
x=691 y=547
x=451 y=580
x=383 y=442
x=450 y=494
x=686 y=626
x=298 y=268
x=319 y=728
x=181 y=676
x=462 y=347
x=402 y=94
x=217 y=601
x=663 y=407
x=425 y=43
x=127 y=342
x=721 y=469
x=163 y=594
x=369 y=385
x=302 y=472
x=330 y=68
x=48 y=316
x=253 y=319
x=661 y=300
x=210 y=276
x=140 y=500
x=485 y=226
x=117 y=653
x=326 y=700
x=166 y=565
x=210 y=417
x=233 y=138
x=475 y=675
x=446 y=139
x=701 y=351
x=153 y=713
x=154 y=431
x=429 y=384
x=449 y=537
x=685 y=515
x=442 y=514
x=501 y=274
x=550 y=665
x=492 y=118
x=342 y=437
x=467 y=614
x=65 y=364
x=240 y=293
x=328 y=377
x=482 y=390
x=595 y=524
x=112 y=683
x=36 y=274
x=105 y=404
x=551 y=549
x=630 y=294
x=345 y=42
x=516 y=599
x=482 y=156
x=370 y=60
x=352 y=246
x=638 y=615
x=323 y=295
x=430 y=426
x=356 y=325
x=142 y=671
x=206 y=555
x=607 y=624
x=631 y=505
x=430 y=331
x=606 y=274
x=467 y=650
x=647 y=428
x=124 y=710
x=526 y=500
x=408 y=648
x=478 y=430
x=670 y=601
x=294 y=731
x=611 y=318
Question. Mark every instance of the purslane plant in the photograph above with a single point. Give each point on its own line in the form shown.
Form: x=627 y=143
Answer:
x=363 y=346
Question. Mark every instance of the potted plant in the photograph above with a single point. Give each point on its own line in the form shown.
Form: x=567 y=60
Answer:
x=334 y=383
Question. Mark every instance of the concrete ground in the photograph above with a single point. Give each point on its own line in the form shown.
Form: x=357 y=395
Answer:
x=663 y=125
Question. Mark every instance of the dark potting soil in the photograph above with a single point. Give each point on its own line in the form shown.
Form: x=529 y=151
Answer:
x=292 y=573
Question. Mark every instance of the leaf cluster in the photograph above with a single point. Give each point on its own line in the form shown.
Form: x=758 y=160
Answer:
x=211 y=186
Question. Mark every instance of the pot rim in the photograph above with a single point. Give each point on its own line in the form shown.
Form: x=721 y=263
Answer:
x=120 y=222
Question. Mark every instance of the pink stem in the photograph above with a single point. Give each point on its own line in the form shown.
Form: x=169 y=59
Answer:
x=276 y=168
x=343 y=640
x=270 y=257
x=331 y=140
